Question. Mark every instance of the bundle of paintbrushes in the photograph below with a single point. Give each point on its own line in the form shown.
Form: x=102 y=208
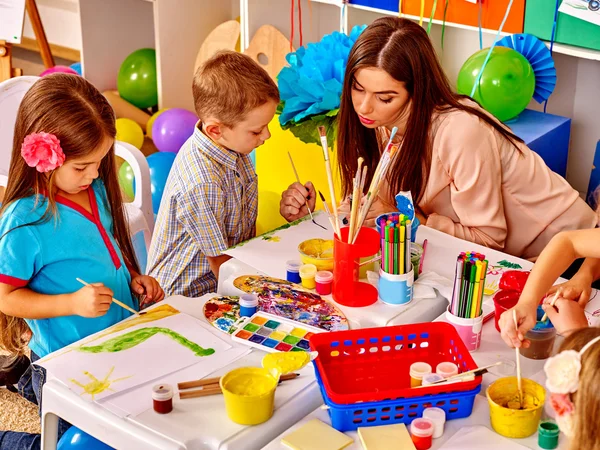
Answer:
x=395 y=244
x=469 y=283
x=359 y=209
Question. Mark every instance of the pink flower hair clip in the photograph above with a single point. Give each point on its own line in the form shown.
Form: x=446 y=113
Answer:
x=42 y=151
x=562 y=380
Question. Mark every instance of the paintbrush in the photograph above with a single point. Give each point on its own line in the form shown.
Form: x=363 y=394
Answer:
x=323 y=135
x=545 y=316
x=328 y=214
x=518 y=356
x=306 y=199
x=121 y=304
x=212 y=387
x=471 y=373
x=355 y=202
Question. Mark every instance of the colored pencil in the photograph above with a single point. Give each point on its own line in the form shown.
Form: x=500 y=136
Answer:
x=402 y=248
x=408 y=247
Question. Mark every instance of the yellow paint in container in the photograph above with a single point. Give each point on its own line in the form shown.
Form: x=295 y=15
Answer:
x=515 y=423
x=318 y=252
x=249 y=394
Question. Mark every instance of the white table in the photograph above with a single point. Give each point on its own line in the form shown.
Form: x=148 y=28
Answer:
x=199 y=423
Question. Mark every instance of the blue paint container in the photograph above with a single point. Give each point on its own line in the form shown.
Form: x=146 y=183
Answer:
x=248 y=305
x=293 y=271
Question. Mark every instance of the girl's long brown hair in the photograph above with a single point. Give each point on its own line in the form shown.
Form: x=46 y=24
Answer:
x=74 y=111
x=587 y=397
x=403 y=49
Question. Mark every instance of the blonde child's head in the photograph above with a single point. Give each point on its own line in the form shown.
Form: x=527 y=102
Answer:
x=578 y=411
x=66 y=123
x=235 y=100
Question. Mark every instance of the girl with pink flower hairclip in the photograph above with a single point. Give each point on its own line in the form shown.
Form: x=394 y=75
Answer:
x=62 y=218
x=572 y=379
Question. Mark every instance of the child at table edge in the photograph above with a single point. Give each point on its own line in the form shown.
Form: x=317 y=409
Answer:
x=62 y=218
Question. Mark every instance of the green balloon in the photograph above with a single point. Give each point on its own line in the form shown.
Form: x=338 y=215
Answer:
x=126 y=179
x=136 y=82
x=506 y=86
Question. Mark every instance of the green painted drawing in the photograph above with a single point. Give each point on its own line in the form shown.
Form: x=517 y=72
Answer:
x=509 y=265
x=135 y=337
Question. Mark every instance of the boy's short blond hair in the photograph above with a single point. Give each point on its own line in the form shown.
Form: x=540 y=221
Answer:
x=229 y=85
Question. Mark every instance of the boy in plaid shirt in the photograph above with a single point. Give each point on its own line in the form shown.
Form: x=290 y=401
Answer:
x=210 y=201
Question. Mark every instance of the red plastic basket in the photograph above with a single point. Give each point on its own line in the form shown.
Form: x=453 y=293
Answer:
x=373 y=364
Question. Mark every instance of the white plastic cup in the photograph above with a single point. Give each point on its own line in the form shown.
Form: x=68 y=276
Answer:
x=446 y=369
x=438 y=417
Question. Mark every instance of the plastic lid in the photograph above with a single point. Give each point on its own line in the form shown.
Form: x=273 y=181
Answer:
x=418 y=369
x=434 y=414
x=308 y=270
x=293 y=265
x=162 y=392
x=324 y=276
x=430 y=378
x=446 y=369
x=248 y=300
x=422 y=427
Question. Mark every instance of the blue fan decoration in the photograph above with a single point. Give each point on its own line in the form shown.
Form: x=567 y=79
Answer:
x=540 y=58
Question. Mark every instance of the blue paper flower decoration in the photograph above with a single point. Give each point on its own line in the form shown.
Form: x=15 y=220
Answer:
x=311 y=86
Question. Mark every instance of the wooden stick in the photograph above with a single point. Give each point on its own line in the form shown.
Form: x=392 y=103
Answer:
x=323 y=134
x=545 y=316
x=518 y=355
x=40 y=34
x=329 y=216
x=298 y=180
x=201 y=392
x=356 y=200
x=210 y=386
x=121 y=304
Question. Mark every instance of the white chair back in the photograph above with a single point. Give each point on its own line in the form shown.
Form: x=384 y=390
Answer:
x=11 y=94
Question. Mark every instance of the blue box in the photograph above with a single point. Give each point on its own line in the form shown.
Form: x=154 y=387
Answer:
x=547 y=135
x=388 y=5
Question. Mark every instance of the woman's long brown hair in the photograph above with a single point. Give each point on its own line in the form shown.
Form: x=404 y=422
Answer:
x=403 y=49
x=74 y=111
x=587 y=397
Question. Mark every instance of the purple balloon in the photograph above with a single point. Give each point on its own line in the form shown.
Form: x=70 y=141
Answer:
x=57 y=69
x=172 y=128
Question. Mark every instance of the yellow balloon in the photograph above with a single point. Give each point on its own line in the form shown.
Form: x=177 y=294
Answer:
x=151 y=121
x=129 y=131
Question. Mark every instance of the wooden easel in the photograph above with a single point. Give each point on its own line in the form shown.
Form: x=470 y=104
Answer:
x=6 y=69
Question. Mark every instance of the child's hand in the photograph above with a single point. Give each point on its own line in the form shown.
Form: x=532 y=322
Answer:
x=577 y=288
x=293 y=201
x=526 y=318
x=148 y=286
x=92 y=301
x=566 y=315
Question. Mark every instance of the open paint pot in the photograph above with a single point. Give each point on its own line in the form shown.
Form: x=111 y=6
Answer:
x=318 y=252
x=515 y=423
x=249 y=394
x=541 y=339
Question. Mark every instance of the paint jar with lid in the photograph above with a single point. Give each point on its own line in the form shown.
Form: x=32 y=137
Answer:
x=548 y=433
x=431 y=378
x=307 y=275
x=324 y=280
x=162 y=398
x=292 y=269
x=446 y=369
x=421 y=431
x=248 y=305
x=438 y=417
x=417 y=371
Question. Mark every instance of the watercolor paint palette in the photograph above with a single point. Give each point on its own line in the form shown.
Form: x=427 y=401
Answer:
x=272 y=333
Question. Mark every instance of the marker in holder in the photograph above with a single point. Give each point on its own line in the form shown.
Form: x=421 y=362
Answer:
x=347 y=289
x=469 y=330
x=396 y=289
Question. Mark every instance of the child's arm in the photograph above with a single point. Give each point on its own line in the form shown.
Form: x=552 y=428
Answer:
x=215 y=263
x=558 y=255
x=89 y=301
x=579 y=287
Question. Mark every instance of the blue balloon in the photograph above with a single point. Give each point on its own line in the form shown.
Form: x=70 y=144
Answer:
x=160 y=164
x=75 y=439
x=77 y=68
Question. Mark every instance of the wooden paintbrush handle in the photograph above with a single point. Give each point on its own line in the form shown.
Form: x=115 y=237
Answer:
x=205 y=392
x=215 y=381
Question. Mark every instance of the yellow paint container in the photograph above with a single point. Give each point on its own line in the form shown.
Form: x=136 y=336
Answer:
x=318 y=252
x=515 y=423
x=249 y=394
x=307 y=275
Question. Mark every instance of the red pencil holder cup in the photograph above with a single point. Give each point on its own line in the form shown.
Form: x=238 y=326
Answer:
x=347 y=289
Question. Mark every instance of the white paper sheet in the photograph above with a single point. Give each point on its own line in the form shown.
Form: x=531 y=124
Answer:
x=268 y=253
x=473 y=438
x=12 y=14
x=105 y=373
x=581 y=9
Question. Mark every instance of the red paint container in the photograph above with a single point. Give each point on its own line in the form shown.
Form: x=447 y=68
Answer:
x=503 y=301
x=324 y=280
x=421 y=431
x=162 y=398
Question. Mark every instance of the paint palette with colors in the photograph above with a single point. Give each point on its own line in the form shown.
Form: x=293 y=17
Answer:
x=272 y=333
